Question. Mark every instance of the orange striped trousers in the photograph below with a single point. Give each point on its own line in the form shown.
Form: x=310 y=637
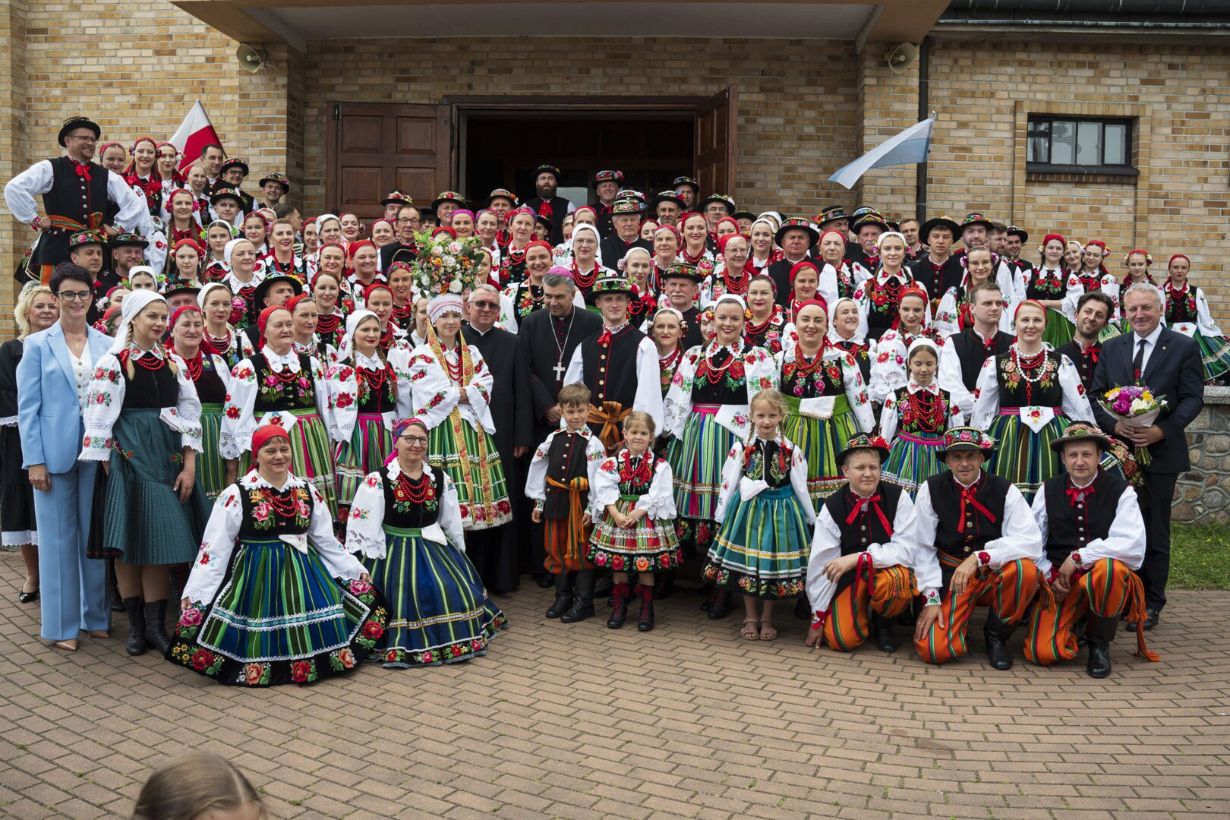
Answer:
x=887 y=592
x=1108 y=589
x=1008 y=591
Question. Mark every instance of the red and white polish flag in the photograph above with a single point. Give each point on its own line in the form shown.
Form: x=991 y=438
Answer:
x=193 y=134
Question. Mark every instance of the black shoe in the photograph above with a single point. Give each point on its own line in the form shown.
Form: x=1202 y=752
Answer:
x=996 y=633
x=719 y=607
x=563 y=595
x=1152 y=616
x=645 y=622
x=663 y=585
x=883 y=629
x=1101 y=633
x=545 y=581
x=619 y=604
x=28 y=597
x=156 y=627
x=135 y=644
x=583 y=601
x=603 y=587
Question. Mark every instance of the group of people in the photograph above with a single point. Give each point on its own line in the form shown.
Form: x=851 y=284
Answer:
x=394 y=421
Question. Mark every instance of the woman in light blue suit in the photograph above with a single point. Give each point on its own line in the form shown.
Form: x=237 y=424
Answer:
x=52 y=378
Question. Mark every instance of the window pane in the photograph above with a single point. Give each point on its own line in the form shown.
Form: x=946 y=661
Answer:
x=1115 y=136
x=1038 y=144
x=1089 y=143
x=1063 y=142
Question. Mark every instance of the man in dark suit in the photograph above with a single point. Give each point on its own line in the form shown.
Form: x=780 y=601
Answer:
x=1168 y=363
x=494 y=552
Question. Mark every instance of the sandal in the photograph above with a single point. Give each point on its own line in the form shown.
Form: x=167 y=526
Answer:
x=768 y=632
x=750 y=631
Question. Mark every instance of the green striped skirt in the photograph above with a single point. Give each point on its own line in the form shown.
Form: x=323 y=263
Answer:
x=279 y=617
x=820 y=440
x=370 y=444
x=210 y=465
x=144 y=521
x=1059 y=330
x=311 y=454
x=1022 y=456
x=439 y=611
x=476 y=471
x=762 y=546
x=1214 y=355
x=646 y=546
x=912 y=460
x=696 y=460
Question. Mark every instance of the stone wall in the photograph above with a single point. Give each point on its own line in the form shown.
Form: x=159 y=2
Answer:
x=1203 y=494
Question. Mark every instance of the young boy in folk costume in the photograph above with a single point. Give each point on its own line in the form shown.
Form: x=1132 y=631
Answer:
x=633 y=505
x=860 y=575
x=1094 y=541
x=558 y=483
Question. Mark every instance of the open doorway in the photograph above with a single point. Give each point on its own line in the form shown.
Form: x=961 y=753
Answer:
x=502 y=149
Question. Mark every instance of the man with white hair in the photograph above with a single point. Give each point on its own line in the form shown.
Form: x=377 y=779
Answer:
x=1168 y=364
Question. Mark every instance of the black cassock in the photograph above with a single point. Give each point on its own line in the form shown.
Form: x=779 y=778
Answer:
x=494 y=552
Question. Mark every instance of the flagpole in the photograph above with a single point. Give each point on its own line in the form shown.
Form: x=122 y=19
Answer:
x=924 y=93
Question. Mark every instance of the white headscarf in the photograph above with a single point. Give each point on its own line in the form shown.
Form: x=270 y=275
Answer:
x=230 y=247
x=346 y=350
x=730 y=297
x=585 y=226
x=833 y=335
x=134 y=303
x=204 y=293
x=442 y=304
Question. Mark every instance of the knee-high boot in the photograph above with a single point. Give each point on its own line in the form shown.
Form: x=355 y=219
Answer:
x=135 y=644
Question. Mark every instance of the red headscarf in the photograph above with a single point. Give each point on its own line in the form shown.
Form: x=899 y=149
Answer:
x=263 y=436
x=355 y=247
x=190 y=243
x=801 y=265
x=539 y=243
x=180 y=311
x=723 y=241
x=263 y=320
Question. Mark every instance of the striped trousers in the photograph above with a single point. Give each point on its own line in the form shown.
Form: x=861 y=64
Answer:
x=1008 y=591
x=886 y=592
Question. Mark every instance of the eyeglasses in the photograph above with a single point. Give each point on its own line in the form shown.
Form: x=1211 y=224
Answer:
x=486 y=305
x=421 y=441
x=83 y=138
x=407 y=221
x=75 y=295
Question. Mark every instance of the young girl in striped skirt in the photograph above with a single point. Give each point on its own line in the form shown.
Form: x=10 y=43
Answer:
x=914 y=420
x=633 y=504
x=765 y=515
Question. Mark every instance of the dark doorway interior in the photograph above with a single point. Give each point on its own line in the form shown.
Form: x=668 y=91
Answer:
x=502 y=149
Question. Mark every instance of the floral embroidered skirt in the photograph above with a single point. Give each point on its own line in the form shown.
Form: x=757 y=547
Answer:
x=17 y=524
x=696 y=460
x=820 y=440
x=210 y=466
x=912 y=460
x=279 y=617
x=144 y=521
x=646 y=546
x=762 y=546
x=1214 y=355
x=369 y=445
x=439 y=611
x=469 y=456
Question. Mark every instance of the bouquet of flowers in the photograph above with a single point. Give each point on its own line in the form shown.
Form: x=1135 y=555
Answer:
x=446 y=264
x=1135 y=406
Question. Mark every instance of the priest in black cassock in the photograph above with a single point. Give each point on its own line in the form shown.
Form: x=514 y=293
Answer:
x=494 y=551
x=547 y=204
x=548 y=339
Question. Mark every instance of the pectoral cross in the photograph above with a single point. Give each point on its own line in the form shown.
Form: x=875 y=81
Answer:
x=559 y=370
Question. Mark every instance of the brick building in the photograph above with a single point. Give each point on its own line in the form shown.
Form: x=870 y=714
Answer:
x=764 y=99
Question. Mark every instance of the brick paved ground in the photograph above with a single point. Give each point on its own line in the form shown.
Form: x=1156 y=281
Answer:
x=584 y=722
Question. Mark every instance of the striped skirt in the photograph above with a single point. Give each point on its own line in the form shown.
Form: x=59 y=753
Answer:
x=144 y=521
x=439 y=611
x=311 y=455
x=762 y=546
x=696 y=460
x=1214 y=355
x=1022 y=456
x=1059 y=330
x=279 y=617
x=646 y=546
x=210 y=465
x=469 y=457
x=912 y=460
x=820 y=440
x=369 y=445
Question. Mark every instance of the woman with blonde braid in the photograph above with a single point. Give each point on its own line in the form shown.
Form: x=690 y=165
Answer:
x=143 y=421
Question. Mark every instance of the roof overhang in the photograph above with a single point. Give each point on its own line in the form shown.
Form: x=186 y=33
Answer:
x=299 y=21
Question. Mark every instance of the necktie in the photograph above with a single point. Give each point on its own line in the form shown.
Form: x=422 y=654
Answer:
x=1138 y=364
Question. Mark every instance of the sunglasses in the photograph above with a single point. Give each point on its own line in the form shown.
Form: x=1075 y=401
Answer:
x=486 y=305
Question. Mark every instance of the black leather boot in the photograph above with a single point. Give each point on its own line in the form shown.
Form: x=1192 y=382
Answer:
x=583 y=600
x=135 y=645
x=1101 y=633
x=604 y=585
x=997 y=633
x=156 y=627
x=645 y=622
x=883 y=629
x=563 y=595
x=719 y=607
x=117 y=600
x=619 y=604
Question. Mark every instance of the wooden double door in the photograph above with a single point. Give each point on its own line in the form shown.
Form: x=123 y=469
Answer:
x=374 y=148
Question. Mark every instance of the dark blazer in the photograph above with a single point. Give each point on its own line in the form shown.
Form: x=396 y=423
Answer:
x=1174 y=372
x=510 y=394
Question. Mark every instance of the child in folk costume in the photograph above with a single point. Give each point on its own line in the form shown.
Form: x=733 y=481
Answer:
x=765 y=515
x=273 y=597
x=826 y=400
x=367 y=391
x=1187 y=312
x=558 y=482
x=914 y=420
x=633 y=504
x=888 y=370
x=859 y=575
x=406 y=521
